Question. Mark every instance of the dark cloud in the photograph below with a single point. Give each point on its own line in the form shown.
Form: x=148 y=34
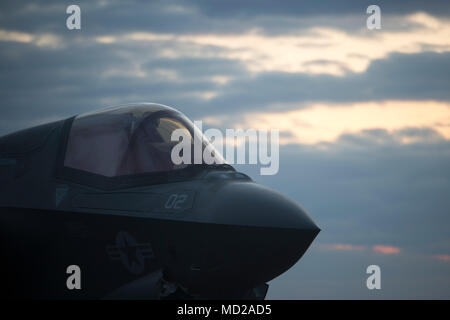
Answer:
x=194 y=68
x=303 y=8
x=377 y=137
x=401 y=76
x=38 y=82
x=115 y=17
x=200 y=16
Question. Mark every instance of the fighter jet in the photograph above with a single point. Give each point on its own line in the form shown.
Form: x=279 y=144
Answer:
x=92 y=207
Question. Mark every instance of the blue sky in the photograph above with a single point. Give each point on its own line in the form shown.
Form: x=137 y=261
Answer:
x=364 y=114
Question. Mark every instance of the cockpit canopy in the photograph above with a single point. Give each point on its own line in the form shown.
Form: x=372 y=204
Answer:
x=128 y=140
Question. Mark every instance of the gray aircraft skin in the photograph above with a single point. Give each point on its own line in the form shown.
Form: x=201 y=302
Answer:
x=100 y=191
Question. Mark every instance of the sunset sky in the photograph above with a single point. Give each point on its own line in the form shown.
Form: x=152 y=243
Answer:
x=364 y=115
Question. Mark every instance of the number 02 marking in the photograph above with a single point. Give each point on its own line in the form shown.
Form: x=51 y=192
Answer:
x=175 y=201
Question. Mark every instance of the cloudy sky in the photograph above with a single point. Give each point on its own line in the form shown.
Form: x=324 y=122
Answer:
x=364 y=114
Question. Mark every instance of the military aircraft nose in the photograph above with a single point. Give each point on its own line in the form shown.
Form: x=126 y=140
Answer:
x=266 y=232
x=250 y=204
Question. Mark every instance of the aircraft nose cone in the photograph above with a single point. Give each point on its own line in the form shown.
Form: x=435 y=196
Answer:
x=265 y=232
x=250 y=204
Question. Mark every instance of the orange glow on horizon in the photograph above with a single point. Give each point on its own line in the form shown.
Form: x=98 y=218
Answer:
x=443 y=257
x=386 y=249
x=322 y=122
